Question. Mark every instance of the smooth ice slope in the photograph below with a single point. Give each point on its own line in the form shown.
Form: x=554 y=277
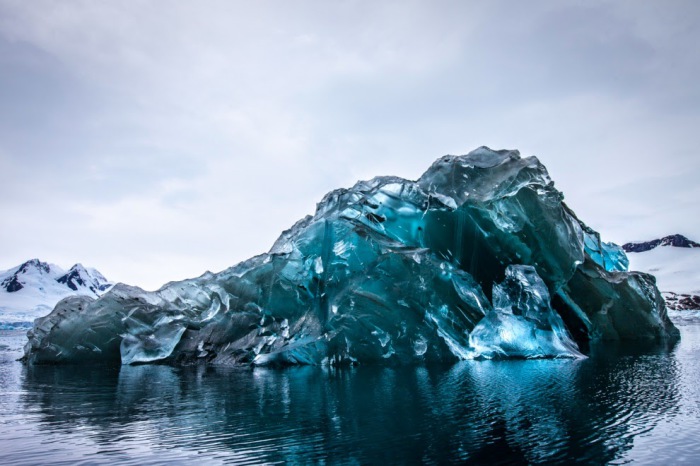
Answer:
x=389 y=270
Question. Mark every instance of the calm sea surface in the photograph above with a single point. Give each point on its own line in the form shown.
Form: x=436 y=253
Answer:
x=625 y=405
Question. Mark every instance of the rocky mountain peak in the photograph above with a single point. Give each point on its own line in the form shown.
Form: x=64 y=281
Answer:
x=677 y=241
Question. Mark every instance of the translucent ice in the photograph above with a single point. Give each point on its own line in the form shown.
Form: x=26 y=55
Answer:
x=389 y=271
x=522 y=323
x=610 y=256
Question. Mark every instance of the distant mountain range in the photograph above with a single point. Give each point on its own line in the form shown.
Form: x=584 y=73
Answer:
x=675 y=262
x=677 y=241
x=32 y=289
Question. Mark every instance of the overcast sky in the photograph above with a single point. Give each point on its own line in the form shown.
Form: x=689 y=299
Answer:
x=155 y=140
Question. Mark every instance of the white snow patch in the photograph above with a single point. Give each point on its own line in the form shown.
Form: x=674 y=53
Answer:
x=675 y=269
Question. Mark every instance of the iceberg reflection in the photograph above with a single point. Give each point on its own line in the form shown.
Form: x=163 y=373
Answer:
x=534 y=411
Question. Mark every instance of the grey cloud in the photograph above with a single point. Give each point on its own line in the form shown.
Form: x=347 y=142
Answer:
x=157 y=142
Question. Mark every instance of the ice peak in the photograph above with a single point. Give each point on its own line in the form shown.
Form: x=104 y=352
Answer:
x=34 y=264
x=80 y=277
x=16 y=278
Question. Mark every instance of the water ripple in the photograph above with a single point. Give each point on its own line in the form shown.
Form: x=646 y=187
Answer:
x=619 y=405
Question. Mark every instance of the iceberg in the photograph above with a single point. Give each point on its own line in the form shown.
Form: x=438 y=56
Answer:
x=478 y=258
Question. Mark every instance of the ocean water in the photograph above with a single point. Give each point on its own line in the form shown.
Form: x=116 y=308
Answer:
x=624 y=404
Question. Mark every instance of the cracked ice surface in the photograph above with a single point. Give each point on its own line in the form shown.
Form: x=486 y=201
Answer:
x=480 y=257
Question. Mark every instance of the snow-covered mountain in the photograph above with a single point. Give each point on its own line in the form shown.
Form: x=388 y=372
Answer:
x=32 y=289
x=677 y=241
x=675 y=262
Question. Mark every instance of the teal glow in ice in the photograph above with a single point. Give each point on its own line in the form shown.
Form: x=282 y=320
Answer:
x=522 y=323
x=610 y=256
x=391 y=271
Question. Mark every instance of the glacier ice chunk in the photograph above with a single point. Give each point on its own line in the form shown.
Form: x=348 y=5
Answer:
x=390 y=271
